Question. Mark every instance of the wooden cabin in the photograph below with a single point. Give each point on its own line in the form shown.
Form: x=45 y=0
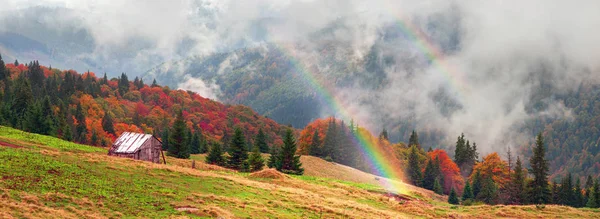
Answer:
x=138 y=146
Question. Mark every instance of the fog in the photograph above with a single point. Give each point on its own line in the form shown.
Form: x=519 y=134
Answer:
x=492 y=54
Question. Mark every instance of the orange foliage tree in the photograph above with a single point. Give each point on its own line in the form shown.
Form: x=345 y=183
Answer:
x=451 y=172
x=492 y=165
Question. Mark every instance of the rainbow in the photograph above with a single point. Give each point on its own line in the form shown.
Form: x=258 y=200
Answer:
x=371 y=152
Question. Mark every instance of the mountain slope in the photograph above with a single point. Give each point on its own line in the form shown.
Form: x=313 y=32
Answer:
x=67 y=180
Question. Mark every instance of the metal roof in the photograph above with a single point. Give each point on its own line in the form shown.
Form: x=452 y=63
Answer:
x=130 y=142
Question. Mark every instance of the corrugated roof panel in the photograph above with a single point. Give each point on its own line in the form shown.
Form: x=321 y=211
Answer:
x=130 y=142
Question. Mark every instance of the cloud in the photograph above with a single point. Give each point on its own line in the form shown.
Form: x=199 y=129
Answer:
x=494 y=55
x=208 y=90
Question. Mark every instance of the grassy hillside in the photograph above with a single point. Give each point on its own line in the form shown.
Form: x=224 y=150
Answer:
x=46 y=177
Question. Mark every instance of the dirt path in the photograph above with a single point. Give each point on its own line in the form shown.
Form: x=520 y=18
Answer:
x=6 y=144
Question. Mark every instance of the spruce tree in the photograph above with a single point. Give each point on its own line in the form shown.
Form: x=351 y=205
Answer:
x=195 y=143
x=260 y=141
x=215 y=155
x=81 y=128
x=592 y=198
x=23 y=98
x=566 y=195
x=290 y=163
x=467 y=192
x=255 y=160
x=94 y=138
x=107 y=123
x=315 y=145
x=578 y=202
x=3 y=71
x=432 y=172
x=178 y=146
x=414 y=139
x=165 y=139
x=539 y=192
x=437 y=186
x=477 y=183
x=203 y=142
x=274 y=161
x=329 y=144
x=517 y=184
x=414 y=169
x=489 y=191
x=238 y=150
x=384 y=134
x=453 y=197
x=123 y=84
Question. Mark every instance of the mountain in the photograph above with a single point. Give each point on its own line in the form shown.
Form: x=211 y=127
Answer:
x=64 y=179
x=92 y=110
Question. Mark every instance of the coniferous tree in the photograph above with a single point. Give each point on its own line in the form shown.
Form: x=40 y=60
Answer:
x=384 y=134
x=517 y=184
x=81 y=128
x=467 y=192
x=261 y=141
x=203 y=142
x=154 y=84
x=453 y=197
x=23 y=98
x=215 y=155
x=566 y=195
x=315 y=145
x=414 y=139
x=165 y=139
x=437 y=186
x=178 y=146
x=16 y=62
x=255 y=160
x=3 y=71
x=593 y=197
x=274 y=161
x=477 y=183
x=554 y=194
x=597 y=192
x=414 y=169
x=195 y=143
x=123 y=84
x=539 y=192
x=431 y=174
x=104 y=79
x=589 y=183
x=107 y=123
x=329 y=144
x=238 y=151
x=290 y=162
x=578 y=195
x=94 y=138
x=488 y=193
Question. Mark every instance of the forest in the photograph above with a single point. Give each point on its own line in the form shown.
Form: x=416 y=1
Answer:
x=90 y=110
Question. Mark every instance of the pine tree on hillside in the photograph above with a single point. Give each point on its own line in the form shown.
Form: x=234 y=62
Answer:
x=23 y=98
x=589 y=183
x=154 y=84
x=290 y=163
x=203 y=142
x=453 y=197
x=384 y=134
x=437 y=186
x=177 y=139
x=195 y=143
x=260 y=141
x=238 y=151
x=123 y=84
x=460 y=150
x=3 y=71
x=566 y=194
x=554 y=194
x=593 y=201
x=165 y=139
x=315 y=145
x=414 y=140
x=215 y=155
x=597 y=193
x=517 y=184
x=539 y=192
x=578 y=202
x=107 y=123
x=329 y=144
x=414 y=169
x=255 y=160
x=477 y=183
x=81 y=128
x=467 y=192
x=489 y=191
x=432 y=172
x=274 y=159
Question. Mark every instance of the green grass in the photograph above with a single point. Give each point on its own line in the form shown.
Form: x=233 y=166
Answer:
x=74 y=180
